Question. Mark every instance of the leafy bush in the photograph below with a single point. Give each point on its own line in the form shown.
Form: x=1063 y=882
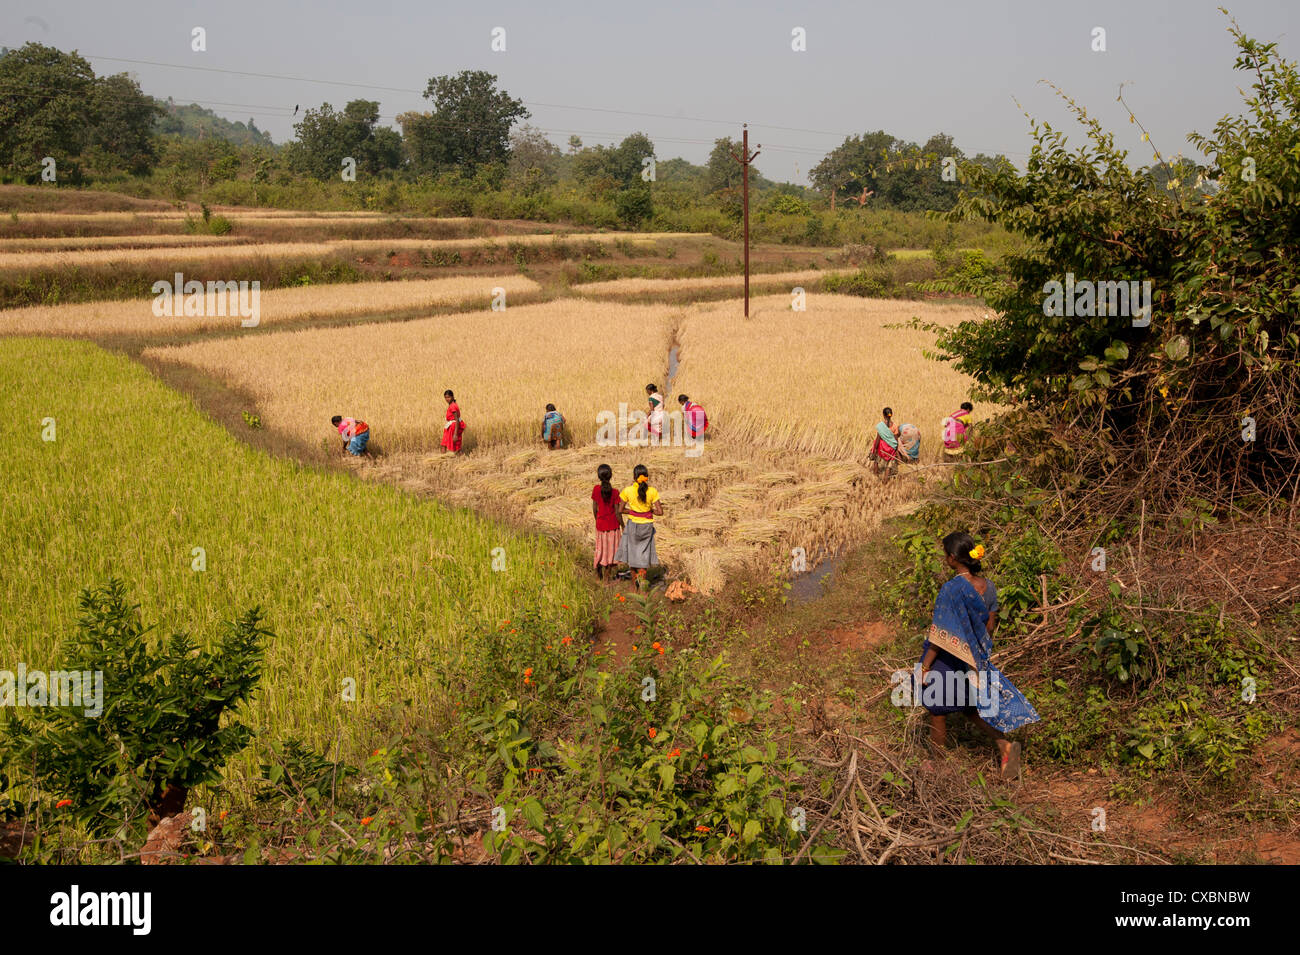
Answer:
x=160 y=733
x=659 y=757
x=1217 y=245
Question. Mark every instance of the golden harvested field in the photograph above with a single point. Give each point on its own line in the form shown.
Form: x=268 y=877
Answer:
x=726 y=510
x=815 y=382
x=18 y=261
x=639 y=286
x=136 y=317
x=504 y=367
x=792 y=410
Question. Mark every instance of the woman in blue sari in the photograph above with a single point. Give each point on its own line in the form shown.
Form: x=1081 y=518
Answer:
x=956 y=675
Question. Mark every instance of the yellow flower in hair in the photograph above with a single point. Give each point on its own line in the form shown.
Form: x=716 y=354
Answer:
x=977 y=551
x=642 y=479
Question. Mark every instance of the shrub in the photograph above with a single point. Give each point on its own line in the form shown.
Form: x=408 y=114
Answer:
x=160 y=733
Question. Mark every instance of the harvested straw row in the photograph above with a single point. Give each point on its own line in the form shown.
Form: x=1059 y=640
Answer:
x=290 y=250
x=639 y=286
x=136 y=316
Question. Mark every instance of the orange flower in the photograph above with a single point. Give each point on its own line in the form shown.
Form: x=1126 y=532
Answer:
x=368 y=820
x=614 y=750
x=63 y=803
x=528 y=671
x=676 y=752
x=621 y=598
x=535 y=769
x=634 y=646
x=375 y=753
x=703 y=829
x=513 y=630
x=656 y=646
x=653 y=732
x=224 y=813
x=565 y=606
x=566 y=641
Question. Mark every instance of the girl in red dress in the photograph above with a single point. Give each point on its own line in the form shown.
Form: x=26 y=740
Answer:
x=455 y=427
x=609 y=522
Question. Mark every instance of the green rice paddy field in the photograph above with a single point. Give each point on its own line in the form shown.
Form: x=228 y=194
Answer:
x=357 y=580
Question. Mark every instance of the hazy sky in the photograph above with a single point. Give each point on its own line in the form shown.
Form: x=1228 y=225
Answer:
x=593 y=69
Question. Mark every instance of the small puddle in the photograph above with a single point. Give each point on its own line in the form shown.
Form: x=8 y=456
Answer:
x=809 y=586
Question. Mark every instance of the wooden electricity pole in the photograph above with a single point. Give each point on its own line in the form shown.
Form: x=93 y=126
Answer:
x=745 y=159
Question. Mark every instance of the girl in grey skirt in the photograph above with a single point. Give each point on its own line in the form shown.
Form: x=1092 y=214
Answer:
x=639 y=505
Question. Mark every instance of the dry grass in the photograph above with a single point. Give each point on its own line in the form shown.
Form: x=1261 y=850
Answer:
x=287 y=250
x=113 y=241
x=135 y=316
x=639 y=286
x=504 y=367
x=816 y=381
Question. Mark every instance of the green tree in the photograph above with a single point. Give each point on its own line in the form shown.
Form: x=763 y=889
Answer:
x=850 y=168
x=45 y=98
x=534 y=159
x=606 y=169
x=469 y=126
x=722 y=172
x=124 y=119
x=326 y=138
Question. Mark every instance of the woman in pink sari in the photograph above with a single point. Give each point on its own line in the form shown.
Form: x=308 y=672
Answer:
x=455 y=427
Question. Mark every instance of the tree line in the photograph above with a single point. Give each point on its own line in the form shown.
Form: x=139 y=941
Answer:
x=99 y=128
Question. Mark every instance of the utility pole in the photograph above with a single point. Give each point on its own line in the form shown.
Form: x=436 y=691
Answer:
x=745 y=159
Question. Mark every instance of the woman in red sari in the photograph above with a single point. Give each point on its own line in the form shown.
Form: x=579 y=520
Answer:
x=454 y=428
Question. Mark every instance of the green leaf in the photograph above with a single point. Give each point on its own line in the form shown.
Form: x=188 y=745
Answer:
x=1178 y=347
x=615 y=835
x=534 y=814
x=1147 y=749
x=751 y=831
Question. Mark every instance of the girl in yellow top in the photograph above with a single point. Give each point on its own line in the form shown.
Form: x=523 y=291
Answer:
x=639 y=506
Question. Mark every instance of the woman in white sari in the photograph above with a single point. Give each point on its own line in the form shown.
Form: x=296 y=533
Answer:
x=655 y=416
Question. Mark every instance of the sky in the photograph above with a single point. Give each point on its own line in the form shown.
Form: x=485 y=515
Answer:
x=686 y=74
